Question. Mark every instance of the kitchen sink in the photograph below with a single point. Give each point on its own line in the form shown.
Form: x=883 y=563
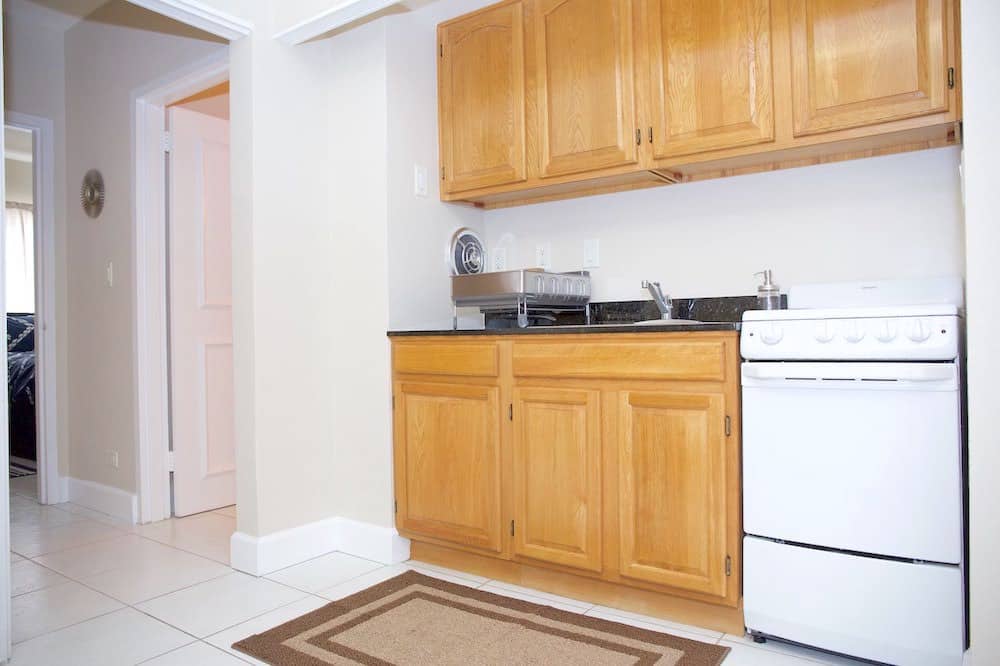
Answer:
x=667 y=322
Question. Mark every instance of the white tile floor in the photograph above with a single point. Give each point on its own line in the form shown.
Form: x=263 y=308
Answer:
x=88 y=589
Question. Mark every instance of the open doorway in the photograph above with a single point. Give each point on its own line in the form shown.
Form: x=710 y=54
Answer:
x=19 y=267
x=30 y=310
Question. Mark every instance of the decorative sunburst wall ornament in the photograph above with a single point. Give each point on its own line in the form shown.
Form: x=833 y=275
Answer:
x=92 y=193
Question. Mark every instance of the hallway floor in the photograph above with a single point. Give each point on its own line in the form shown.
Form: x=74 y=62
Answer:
x=88 y=589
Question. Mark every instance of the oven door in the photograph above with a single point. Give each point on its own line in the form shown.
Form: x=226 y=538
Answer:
x=863 y=457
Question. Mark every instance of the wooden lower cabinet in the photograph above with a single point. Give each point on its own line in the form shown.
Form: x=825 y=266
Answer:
x=605 y=474
x=672 y=489
x=556 y=476
x=447 y=459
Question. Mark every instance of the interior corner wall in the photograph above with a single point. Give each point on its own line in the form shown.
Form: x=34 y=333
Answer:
x=360 y=404
x=104 y=64
x=295 y=282
x=34 y=84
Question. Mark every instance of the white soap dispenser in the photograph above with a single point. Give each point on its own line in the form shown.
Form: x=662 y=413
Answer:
x=768 y=294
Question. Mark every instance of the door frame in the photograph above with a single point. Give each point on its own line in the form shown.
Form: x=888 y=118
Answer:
x=51 y=488
x=149 y=196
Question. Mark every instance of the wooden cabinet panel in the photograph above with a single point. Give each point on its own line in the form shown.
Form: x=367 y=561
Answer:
x=481 y=90
x=458 y=358
x=672 y=484
x=447 y=449
x=711 y=77
x=861 y=62
x=557 y=476
x=585 y=85
x=622 y=359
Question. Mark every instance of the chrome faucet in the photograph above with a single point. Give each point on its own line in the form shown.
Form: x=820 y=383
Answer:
x=664 y=304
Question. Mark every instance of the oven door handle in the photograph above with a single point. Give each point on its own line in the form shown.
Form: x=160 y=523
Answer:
x=852 y=375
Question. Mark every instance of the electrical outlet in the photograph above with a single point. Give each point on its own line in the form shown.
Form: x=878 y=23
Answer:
x=591 y=253
x=543 y=255
x=499 y=262
x=113 y=458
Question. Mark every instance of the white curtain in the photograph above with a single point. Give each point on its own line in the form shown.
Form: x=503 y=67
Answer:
x=20 y=257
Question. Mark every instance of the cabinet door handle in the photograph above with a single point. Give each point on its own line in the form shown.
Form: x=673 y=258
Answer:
x=638 y=137
x=651 y=135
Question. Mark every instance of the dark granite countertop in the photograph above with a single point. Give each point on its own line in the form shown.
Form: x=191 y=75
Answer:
x=577 y=329
x=713 y=314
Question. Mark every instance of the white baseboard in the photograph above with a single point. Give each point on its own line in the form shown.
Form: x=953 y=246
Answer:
x=260 y=556
x=106 y=499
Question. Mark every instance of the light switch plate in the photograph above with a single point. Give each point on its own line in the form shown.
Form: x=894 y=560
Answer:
x=591 y=253
x=419 y=180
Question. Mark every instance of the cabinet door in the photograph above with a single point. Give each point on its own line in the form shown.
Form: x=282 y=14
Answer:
x=672 y=490
x=710 y=63
x=557 y=476
x=447 y=457
x=583 y=66
x=481 y=88
x=861 y=62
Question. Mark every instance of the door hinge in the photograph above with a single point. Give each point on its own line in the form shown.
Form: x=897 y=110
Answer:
x=512 y=528
x=729 y=426
x=951 y=77
x=510 y=411
x=170 y=461
x=168 y=141
x=729 y=566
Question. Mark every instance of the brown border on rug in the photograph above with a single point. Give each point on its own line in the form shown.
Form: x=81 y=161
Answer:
x=268 y=646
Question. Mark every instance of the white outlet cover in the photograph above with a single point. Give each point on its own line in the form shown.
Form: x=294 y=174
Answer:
x=498 y=259
x=543 y=255
x=591 y=253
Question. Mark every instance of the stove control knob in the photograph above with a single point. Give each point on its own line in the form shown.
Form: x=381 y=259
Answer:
x=772 y=335
x=919 y=331
x=886 y=332
x=824 y=332
x=854 y=333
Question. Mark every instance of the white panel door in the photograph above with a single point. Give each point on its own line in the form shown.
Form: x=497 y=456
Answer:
x=201 y=328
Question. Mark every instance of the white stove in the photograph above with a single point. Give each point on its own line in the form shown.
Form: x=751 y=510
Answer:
x=853 y=473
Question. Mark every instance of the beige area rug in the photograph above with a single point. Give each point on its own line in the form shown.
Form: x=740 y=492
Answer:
x=416 y=619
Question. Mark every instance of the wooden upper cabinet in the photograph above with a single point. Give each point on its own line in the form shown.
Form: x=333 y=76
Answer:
x=862 y=62
x=481 y=99
x=447 y=462
x=557 y=476
x=672 y=486
x=710 y=75
x=585 y=85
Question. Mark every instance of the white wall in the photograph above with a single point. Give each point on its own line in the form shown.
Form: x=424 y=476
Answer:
x=420 y=228
x=981 y=85
x=886 y=217
x=105 y=60
x=34 y=83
